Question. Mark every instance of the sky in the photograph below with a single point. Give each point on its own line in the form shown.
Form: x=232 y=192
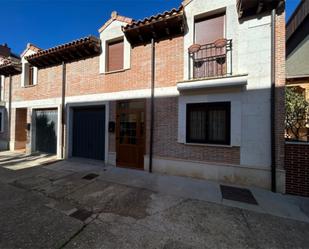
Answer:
x=48 y=23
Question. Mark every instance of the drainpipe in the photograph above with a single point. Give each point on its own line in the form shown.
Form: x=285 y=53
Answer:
x=152 y=103
x=10 y=110
x=272 y=111
x=63 y=107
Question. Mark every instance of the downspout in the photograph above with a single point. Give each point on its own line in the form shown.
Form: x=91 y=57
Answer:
x=10 y=110
x=152 y=103
x=63 y=107
x=272 y=99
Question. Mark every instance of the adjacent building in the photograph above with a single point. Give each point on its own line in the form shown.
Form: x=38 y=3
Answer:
x=195 y=91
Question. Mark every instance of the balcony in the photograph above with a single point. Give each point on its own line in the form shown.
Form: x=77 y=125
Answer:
x=210 y=66
x=211 y=60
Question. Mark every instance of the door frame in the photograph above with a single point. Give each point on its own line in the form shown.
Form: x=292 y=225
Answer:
x=69 y=125
x=118 y=127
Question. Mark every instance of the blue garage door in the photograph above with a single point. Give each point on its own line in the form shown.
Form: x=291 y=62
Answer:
x=89 y=132
x=46 y=126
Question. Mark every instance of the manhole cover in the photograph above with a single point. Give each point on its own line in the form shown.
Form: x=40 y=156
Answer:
x=81 y=214
x=238 y=194
x=90 y=176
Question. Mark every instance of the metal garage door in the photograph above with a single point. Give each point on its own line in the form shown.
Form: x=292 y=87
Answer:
x=46 y=124
x=89 y=132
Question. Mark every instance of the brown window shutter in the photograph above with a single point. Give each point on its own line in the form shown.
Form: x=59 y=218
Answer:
x=115 y=52
x=30 y=83
x=209 y=30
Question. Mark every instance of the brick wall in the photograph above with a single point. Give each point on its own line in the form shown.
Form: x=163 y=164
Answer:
x=83 y=76
x=297 y=168
x=166 y=134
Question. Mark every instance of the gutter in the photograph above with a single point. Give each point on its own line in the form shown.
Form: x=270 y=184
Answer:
x=272 y=104
x=152 y=104
x=63 y=107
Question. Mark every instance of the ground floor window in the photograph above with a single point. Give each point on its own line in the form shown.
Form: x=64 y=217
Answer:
x=209 y=123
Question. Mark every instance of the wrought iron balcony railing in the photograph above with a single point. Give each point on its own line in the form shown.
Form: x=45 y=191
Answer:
x=210 y=60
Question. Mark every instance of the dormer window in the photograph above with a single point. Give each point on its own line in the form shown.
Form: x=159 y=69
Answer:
x=115 y=55
x=29 y=77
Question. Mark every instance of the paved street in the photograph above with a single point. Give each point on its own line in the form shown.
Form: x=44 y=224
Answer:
x=55 y=207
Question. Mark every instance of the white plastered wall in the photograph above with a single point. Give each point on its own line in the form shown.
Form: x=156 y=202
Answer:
x=236 y=109
x=251 y=44
x=113 y=32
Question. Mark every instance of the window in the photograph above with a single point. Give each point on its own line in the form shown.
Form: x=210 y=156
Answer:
x=115 y=52
x=209 y=123
x=210 y=29
x=31 y=76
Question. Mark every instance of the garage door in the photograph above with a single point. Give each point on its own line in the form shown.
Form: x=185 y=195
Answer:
x=89 y=132
x=46 y=126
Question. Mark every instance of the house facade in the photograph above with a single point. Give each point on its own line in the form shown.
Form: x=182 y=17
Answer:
x=194 y=91
x=297 y=44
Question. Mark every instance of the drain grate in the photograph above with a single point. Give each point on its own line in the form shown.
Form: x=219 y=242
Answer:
x=90 y=176
x=238 y=194
x=81 y=214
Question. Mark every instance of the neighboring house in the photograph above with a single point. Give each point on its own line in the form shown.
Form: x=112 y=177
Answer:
x=297 y=47
x=6 y=58
x=186 y=92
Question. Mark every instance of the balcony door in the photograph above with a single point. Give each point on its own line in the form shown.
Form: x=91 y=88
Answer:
x=210 y=60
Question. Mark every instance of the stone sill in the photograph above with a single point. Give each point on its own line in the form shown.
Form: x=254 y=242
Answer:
x=228 y=81
x=116 y=71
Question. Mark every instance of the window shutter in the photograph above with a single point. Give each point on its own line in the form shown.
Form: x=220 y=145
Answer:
x=115 y=56
x=209 y=30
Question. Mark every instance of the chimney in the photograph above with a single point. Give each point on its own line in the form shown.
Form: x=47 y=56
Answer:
x=5 y=51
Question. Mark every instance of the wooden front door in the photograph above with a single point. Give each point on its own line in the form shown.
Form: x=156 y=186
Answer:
x=130 y=134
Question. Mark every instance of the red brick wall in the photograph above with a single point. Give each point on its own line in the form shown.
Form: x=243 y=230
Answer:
x=166 y=135
x=297 y=169
x=83 y=76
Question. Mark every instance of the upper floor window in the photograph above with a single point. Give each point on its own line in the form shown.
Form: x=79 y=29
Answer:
x=115 y=55
x=29 y=75
x=211 y=51
x=209 y=123
x=210 y=29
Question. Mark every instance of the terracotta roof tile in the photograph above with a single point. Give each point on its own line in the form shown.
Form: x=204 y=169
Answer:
x=116 y=16
x=149 y=20
x=63 y=46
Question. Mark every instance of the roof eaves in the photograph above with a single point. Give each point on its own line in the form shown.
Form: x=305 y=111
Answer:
x=151 y=19
x=63 y=46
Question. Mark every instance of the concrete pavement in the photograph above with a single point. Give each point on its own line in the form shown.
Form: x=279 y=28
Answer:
x=55 y=207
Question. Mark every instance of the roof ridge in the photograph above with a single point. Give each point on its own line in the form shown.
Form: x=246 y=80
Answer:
x=115 y=16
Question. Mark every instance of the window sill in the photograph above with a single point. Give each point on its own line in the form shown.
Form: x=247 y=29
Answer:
x=210 y=145
x=116 y=71
x=29 y=86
